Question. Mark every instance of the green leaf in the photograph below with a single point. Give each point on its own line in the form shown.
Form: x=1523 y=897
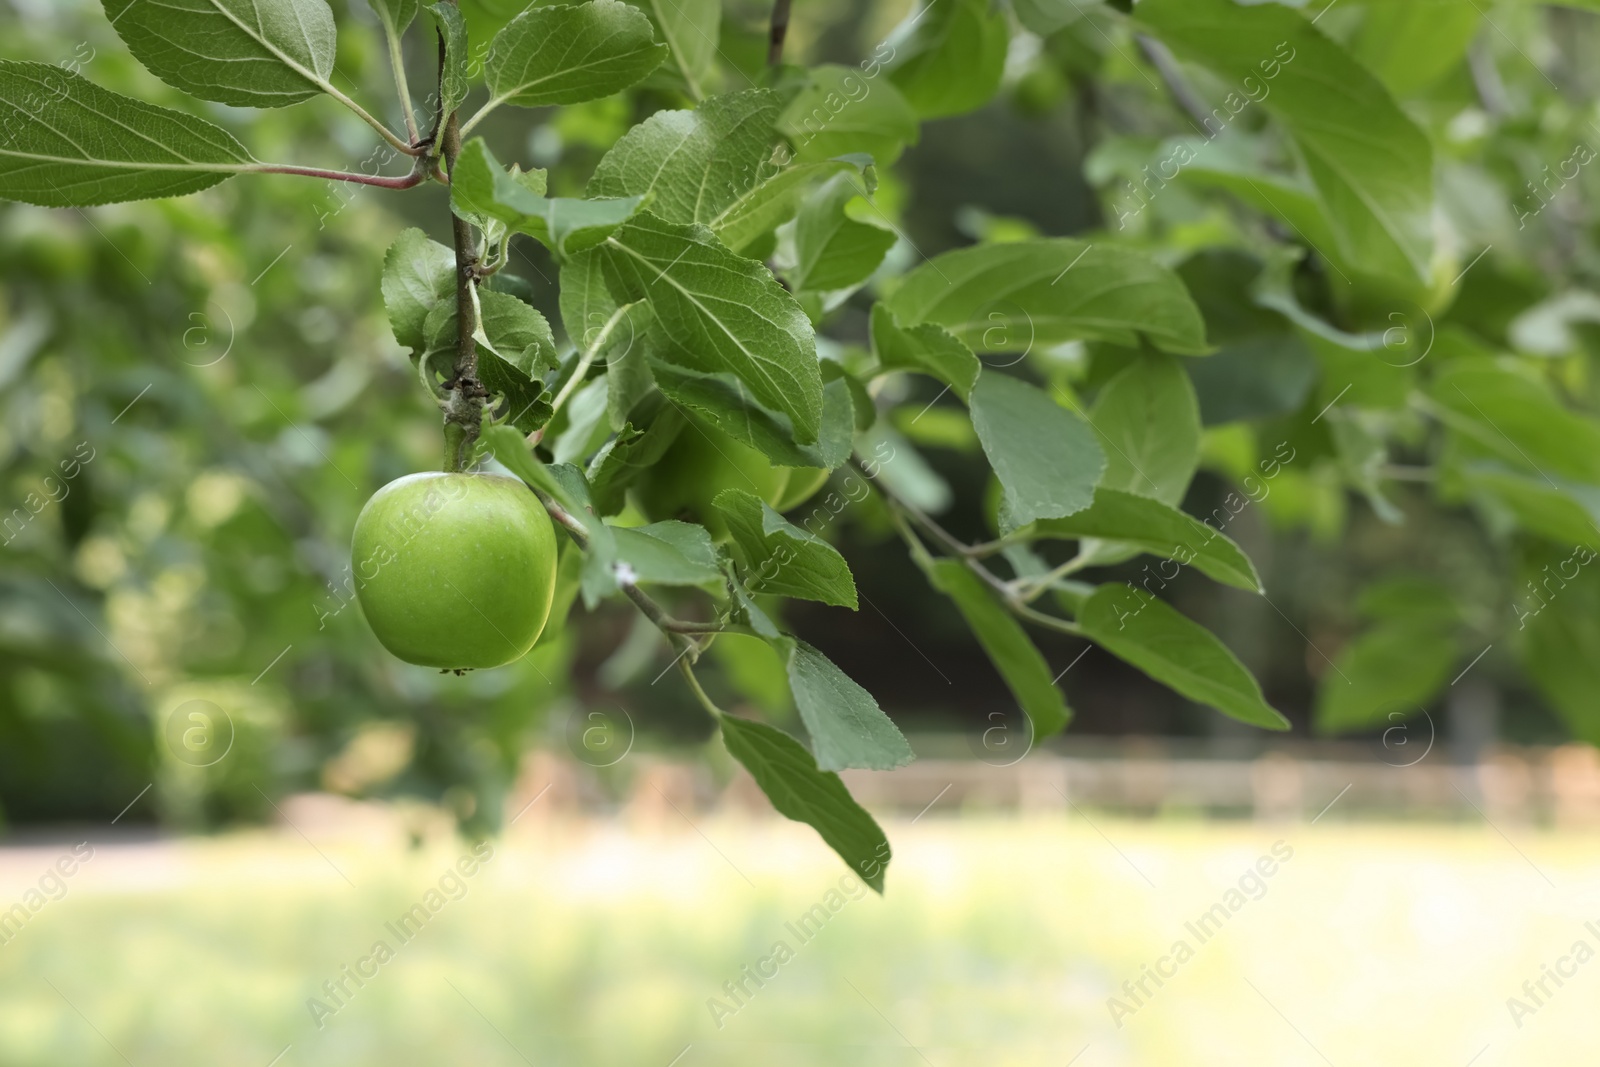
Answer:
x=745 y=612
x=1514 y=416
x=248 y=53
x=1558 y=636
x=780 y=557
x=847 y=727
x=453 y=78
x=840 y=111
x=1410 y=44
x=724 y=402
x=951 y=55
x=628 y=375
x=837 y=246
x=566 y=55
x=1394 y=667
x=1559 y=510
x=717 y=312
x=790 y=778
x=519 y=333
x=629 y=454
x=764 y=207
x=1047 y=459
x=396 y=14
x=586 y=304
x=1261 y=366
x=1148 y=423
x=693 y=164
x=930 y=349
x=887 y=455
x=668 y=553
x=1045 y=17
x=1010 y=297
x=1235 y=163
x=418 y=274
x=691 y=28
x=1371 y=164
x=482 y=188
x=1137 y=627
x=1006 y=643
x=522 y=350
x=69 y=143
x=1160 y=529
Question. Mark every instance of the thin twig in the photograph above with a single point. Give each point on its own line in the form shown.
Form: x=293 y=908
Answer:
x=899 y=510
x=1167 y=67
x=779 y=30
x=700 y=694
x=674 y=628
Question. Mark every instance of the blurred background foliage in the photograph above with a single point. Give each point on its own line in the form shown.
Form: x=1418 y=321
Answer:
x=197 y=396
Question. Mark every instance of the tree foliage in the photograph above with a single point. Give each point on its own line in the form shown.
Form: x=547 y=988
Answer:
x=1307 y=242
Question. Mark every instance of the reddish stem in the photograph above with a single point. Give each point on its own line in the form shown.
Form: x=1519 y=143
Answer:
x=415 y=178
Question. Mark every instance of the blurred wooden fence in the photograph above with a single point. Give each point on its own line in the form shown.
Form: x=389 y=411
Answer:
x=1288 y=784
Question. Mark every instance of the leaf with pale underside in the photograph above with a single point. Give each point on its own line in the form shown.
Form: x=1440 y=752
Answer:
x=418 y=274
x=482 y=189
x=570 y=54
x=691 y=29
x=248 y=53
x=454 y=83
x=715 y=311
x=693 y=164
x=66 y=142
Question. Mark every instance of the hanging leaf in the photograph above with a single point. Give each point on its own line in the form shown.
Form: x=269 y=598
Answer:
x=790 y=778
x=930 y=349
x=847 y=727
x=1372 y=166
x=1047 y=459
x=418 y=274
x=1135 y=626
x=1007 y=644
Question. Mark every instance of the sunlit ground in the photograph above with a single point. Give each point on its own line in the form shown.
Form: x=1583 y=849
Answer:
x=999 y=944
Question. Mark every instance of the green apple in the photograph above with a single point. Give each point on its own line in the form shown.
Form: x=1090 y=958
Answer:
x=704 y=461
x=455 y=570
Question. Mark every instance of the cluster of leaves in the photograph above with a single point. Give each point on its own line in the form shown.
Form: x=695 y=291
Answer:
x=722 y=237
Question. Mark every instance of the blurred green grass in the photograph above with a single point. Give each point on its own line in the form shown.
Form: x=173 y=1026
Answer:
x=998 y=944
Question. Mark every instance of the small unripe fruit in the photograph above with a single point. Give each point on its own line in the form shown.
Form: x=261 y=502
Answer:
x=455 y=570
